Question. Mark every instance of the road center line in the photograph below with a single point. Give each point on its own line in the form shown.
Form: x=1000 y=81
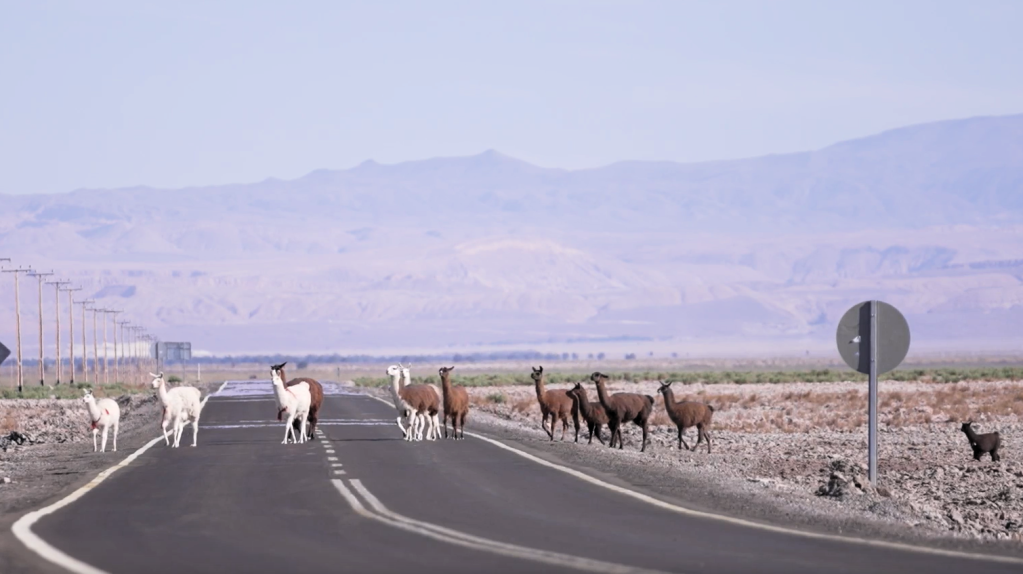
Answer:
x=740 y=521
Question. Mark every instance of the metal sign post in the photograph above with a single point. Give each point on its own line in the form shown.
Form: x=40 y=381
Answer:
x=872 y=338
x=872 y=390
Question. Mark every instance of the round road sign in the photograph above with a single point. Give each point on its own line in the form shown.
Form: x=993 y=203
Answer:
x=853 y=337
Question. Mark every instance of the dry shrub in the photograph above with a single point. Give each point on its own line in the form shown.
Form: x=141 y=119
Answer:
x=525 y=405
x=8 y=423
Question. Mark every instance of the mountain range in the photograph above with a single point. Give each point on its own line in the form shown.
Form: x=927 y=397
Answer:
x=752 y=256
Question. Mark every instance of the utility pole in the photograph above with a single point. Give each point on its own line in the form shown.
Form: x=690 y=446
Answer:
x=106 y=361
x=39 y=276
x=71 y=329
x=56 y=312
x=95 y=348
x=7 y=259
x=85 y=352
x=117 y=364
x=17 y=321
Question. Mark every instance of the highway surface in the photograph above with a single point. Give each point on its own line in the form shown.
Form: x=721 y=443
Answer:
x=360 y=499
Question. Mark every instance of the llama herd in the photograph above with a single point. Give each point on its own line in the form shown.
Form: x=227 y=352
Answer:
x=617 y=410
x=181 y=406
x=424 y=410
x=424 y=405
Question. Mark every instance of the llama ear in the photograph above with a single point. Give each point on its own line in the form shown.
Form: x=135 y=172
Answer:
x=154 y=375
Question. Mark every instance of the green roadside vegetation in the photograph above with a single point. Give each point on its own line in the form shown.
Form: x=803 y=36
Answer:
x=936 y=375
x=73 y=391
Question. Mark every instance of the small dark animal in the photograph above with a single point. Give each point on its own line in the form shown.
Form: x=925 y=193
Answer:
x=982 y=443
x=592 y=412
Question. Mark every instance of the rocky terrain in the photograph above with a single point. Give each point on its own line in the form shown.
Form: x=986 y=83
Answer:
x=807 y=444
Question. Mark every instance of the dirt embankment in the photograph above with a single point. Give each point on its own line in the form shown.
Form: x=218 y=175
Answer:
x=59 y=450
x=806 y=443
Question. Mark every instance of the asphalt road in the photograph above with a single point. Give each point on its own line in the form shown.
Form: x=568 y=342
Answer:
x=360 y=499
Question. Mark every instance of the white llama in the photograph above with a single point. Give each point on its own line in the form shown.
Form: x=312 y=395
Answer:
x=181 y=405
x=295 y=401
x=102 y=413
x=405 y=410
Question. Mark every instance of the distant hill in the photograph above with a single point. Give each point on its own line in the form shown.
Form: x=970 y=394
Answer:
x=489 y=249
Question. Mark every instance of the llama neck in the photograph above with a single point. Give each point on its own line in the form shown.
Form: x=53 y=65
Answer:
x=445 y=385
x=282 y=394
x=602 y=394
x=971 y=434
x=161 y=392
x=404 y=381
x=584 y=403
x=396 y=386
x=94 y=411
x=540 y=388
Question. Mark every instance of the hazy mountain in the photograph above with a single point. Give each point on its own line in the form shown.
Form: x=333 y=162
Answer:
x=764 y=252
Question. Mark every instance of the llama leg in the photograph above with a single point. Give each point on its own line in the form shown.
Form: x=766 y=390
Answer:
x=564 y=427
x=435 y=426
x=445 y=421
x=646 y=432
x=165 y=439
x=303 y=425
x=287 y=428
x=461 y=425
x=682 y=439
x=195 y=431
x=103 y=443
x=398 y=420
x=94 y=447
x=117 y=424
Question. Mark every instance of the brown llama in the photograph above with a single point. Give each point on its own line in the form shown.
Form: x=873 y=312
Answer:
x=315 y=396
x=456 y=404
x=622 y=408
x=557 y=405
x=419 y=399
x=686 y=414
x=592 y=412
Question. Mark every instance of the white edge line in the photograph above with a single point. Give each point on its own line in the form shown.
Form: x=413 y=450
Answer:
x=22 y=528
x=382 y=514
x=740 y=521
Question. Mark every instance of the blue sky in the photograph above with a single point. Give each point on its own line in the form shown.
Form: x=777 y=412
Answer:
x=112 y=94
